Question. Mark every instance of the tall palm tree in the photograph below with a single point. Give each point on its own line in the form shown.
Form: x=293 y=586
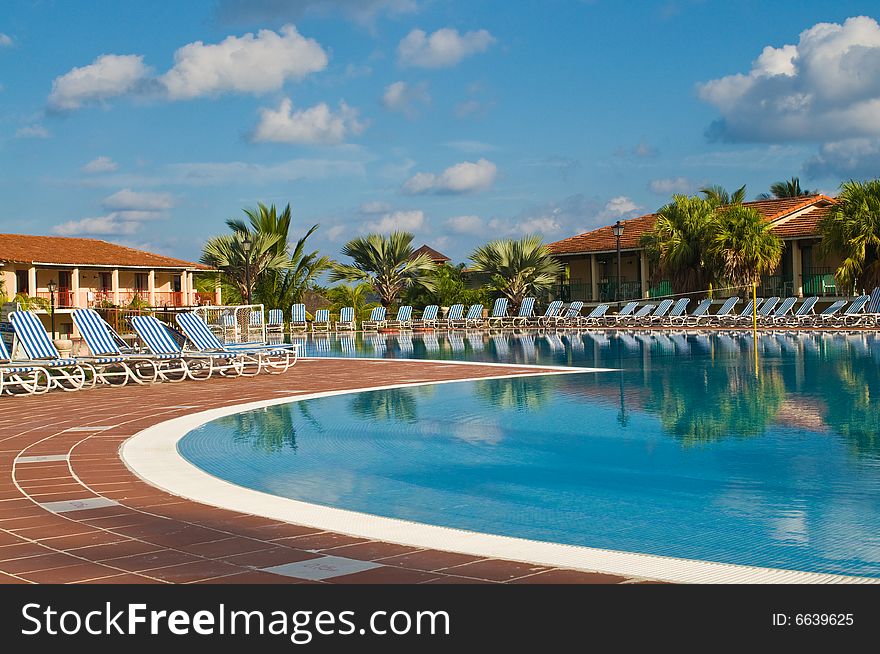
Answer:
x=678 y=245
x=852 y=230
x=790 y=188
x=719 y=196
x=354 y=296
x=388 y=263
x=518 y=268
x=227 y=253
x=743 y=245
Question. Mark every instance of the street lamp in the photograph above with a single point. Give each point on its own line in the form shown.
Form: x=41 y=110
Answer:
x=617 y=230
x=52 y=286
x=247 y=243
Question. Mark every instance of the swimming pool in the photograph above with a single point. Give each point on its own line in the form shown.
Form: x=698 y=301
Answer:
x=681 y=451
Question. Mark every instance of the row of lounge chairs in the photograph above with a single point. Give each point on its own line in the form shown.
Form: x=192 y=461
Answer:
x=193 y=352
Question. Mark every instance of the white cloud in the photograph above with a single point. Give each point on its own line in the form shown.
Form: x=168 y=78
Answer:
x=444 y=48
x=857 y=158
x=5 y=40
x=128 y=200
x=363 y=12
x=403 y=97
x=464 y=177
x=672 y=185
x=32 y=132
x=100 y=165
x=335 y=232
x=825 y=88
x=375 y=206
x=621 y=205
x=318 y=124
x=99 y=225
x=245 y=64
x=466 y=224
x=109 y=76
x=407 y=221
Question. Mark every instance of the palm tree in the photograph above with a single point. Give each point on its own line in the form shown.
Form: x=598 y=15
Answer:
x=719 y=196
x=388 y=263
x=788 y=189
x=518 y=268
x=678 y=244
x=852 y=230
x=743 y=245
x=354 y=296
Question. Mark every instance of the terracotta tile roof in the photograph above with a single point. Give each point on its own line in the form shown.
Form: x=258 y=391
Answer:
x=63 y=250
x=602 y=239
x=436 y=257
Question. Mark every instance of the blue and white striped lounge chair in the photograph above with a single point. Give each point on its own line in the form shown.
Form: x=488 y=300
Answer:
x=499 y=313
x=21 y=376
x=136 y=367
x=624 y=314
x=805 y=312
x=658 y=314
x=676 y=312
x=636 y=317
x=745 y=315
x=854 y=311
x=298 y=322
x=275 y=324
x=526 y=309
x=256 y=329
x=454 y=316
x=376 y=321
x=781 y=311
x=321 y=323
x=569 y=317
x=767 y=308
x=596 y=316
x=701 y=310
x=428 y=319
x=827 y=313
x=474 y=317
x=714 y=318
x=71 y=374
x=157 y=339
x=550 y=314
x=403 y=319
x=871 y=315
x=271 y=358
x=346 y=322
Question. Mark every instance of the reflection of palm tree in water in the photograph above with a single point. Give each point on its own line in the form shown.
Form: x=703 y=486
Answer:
x=521 y=393
x=270 y=429
x=854 y=402
x=393 y=404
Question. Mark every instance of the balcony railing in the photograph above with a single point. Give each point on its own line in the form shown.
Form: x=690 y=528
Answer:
x=168 y=299
x=776 y=285
x=63 y=297
x=661 y=288
x=608 y=290
x=819 y=281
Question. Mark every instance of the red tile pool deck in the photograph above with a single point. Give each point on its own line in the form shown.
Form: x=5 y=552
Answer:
x=67 y=446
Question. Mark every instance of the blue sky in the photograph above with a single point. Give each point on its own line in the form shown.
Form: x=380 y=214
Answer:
x=149 y=124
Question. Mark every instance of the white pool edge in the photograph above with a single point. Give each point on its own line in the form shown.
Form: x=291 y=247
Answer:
x=152 y=455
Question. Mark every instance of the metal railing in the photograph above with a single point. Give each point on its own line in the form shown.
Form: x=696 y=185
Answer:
x=819 y=281
x=776 y=285
x=660 y=289
x=608 y=290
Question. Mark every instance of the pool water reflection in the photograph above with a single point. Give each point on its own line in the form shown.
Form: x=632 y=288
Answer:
x=683 y=450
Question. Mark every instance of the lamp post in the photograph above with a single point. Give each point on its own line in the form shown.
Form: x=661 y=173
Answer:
x=52 y=286
x=617 y=230
x=247 y=243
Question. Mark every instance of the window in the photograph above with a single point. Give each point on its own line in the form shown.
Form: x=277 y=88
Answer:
x=106 y=282
x=177 y=285
x=21 y=282
x=140 y=282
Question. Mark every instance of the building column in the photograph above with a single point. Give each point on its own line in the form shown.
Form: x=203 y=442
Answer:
x=114 y=285
x=74 y=288
x=218 y=291
x=32 y=281
x=594 y=280
x=643 y=272
x=151 y=287
x=797 y=268
x=190 y=298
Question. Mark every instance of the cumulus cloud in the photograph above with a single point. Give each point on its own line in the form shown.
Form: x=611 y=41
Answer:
x=97 y=226
x=374 y=206
x=408 y=221
x=126 y=200
x=825 y=88
x=621 y=205
x=100 y=165
x=442 y=49
x=107 y=77
x=857 y=158
x=572 y=215
x=363 y=12
x=465 y=225
x=245 y=64
x=32 y=132
x=318 y=124
x=405 y=98
x=672 y=185
x=464 y=177
x=5 y=40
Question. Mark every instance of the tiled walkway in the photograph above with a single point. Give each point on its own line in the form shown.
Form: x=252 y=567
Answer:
x=71 y=512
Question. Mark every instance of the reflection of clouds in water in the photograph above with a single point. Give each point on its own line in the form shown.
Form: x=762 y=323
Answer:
x=790 y=528
x=844 y=534
x=470 y=429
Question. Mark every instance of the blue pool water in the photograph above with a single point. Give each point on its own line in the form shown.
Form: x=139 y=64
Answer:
x=681 y=451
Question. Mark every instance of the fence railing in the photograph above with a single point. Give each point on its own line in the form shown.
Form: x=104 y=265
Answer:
x=776 y=285
x=819 y=281
x=608 y=290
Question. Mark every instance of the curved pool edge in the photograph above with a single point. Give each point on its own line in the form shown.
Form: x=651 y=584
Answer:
x=153 y=456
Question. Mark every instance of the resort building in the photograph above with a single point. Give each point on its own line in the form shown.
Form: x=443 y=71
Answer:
x=591 y=258
x=86 y=272
x=437 y=257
